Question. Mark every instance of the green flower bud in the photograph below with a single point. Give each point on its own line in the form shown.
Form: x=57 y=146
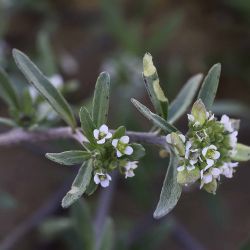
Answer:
x=199 y=112
x=178 y=143
x=186 y=177
x=211 y=187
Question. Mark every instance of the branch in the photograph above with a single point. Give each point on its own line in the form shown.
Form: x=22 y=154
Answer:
x=18 y=135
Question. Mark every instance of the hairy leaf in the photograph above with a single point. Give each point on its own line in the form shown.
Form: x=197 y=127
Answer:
x=210 y=85
x=107 y=237
x=184 y=99
x=79 y=185
x=45 y=88
x=82 y=224
x=171 y=190
x=7 y=92
x=242 y=153
x=68 y=158
x=152 y=83
x=156 y=120
x=87 y=124
x=101 y=99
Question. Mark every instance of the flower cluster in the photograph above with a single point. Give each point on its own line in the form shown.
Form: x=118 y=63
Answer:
x=114 y=151
x=206 y=152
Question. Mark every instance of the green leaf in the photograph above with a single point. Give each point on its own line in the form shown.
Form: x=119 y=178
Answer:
x=107 y=237
x=171 y=190
x=7 y=122
x=79 y=185
x=27 y=103
x=69 y=158
x=82 y=224
x=87 y=124
x=242 y=153
x=156 y=120
x=138 y=153
x=101 y=99
x=184 y=99
x=46 y=89
x=91 y=188
x=7 y=92
x=119 y=132
x=152 y=83
x=210 y=85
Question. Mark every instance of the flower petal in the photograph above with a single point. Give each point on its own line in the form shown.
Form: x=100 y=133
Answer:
x=128 y=150
x=108 y=136
x=180 y=168
x=97 y=179
x=115 y=142
x=105 y=183
x=124 y=139
x=118 y=153
x=168 y=139
x=102 y=141
x=216 y=155
x=104 y=129
x=96 y=133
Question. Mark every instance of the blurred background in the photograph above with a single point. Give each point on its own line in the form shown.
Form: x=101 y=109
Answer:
x=76 y=40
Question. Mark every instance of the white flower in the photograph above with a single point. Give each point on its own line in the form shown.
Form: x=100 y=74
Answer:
x=102 y=179
x=209 y=176
x=211 y=154
x=227 y=169
x=122 y=147
x=233 y=142
x=169 y=139
x=102 y=134
x=227 y=123
x=129 y=168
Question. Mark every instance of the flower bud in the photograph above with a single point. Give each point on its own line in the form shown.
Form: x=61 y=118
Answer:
x=186 y=177
x=199 y=112
x=211 y=187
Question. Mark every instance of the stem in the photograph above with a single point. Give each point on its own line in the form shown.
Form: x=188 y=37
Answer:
x=18 y=135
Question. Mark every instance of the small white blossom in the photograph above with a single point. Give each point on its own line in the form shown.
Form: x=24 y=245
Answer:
x=227 y=123
x=122 y=147
x=129 y=168
x=211 y=154
x=227 y=169
x=209 y=175
x=102 y=134
x=102 y=179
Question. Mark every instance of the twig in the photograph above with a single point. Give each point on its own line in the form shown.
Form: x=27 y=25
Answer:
x=17 y=136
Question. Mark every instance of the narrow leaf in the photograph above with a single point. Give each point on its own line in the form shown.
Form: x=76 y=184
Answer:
x=242 y=153
x=107 y=237
x=138 y=153
x=156 y=120
x=69 y=157
x=101 y=99
x=7 y=92
x=210 y=85
x=7 y=122
x=46 y=89
x=79 y=185
x=82 y=224
x=171 y=190
x=184 y=99
x=87 y=124
x=152 y=83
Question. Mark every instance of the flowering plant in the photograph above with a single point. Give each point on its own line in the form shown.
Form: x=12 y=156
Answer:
x=208 y=151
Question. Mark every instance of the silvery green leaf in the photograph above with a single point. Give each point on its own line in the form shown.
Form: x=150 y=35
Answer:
x=138 y=153
x=91 y=188
x=101 y=99
x=242 y=153
x=156 y=120
x=119 y=132
x=45 y=88
x=209 y=86
x=69 y=158
x=87 y=124
x=82 y=224
x=107 y=237
x=7 y=122
x=27 y=103
x=184 y=99
x=171 y=190
x=152 y=83
x=79 y=185
x=7 y=92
